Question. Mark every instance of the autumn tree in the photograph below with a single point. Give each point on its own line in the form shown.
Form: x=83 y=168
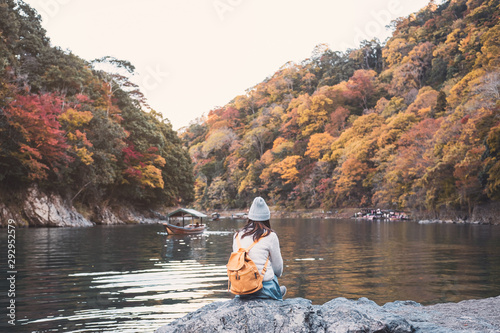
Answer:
x=313 y=113
x=38 y=142
x=362 y=87
x=349 y=182
x=412 y=71
x=75 y=122
x=318 y=144
x=424 y=103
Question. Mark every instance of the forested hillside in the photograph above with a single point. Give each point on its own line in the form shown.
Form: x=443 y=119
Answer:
x=412 y=124
x=76 y=130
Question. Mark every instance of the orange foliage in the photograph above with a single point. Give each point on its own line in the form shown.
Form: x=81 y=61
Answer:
x=319 y=143
x=287 y=169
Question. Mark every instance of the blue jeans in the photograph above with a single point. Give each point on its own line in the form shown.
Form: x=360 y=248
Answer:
x=270 y=289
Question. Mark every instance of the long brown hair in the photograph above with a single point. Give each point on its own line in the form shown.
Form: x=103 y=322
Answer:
x=257 y=229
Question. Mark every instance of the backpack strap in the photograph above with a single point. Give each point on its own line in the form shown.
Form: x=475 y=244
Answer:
x=248 y=249
x=265 y=267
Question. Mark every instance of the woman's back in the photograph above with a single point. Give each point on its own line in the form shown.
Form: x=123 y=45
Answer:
x=268 y=246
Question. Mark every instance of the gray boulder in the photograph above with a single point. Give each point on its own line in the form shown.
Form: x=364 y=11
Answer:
x=481 y=315
x=340 y=315
x=291 y=315
x=363 y=315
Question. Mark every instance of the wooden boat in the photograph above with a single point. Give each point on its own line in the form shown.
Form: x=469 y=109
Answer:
x=190 y=229
x=183 y=214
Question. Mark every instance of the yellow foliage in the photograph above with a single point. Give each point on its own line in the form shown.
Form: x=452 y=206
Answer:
x=277 y=112
x=462 y=89
x=282 y=146
x=75 y=119
x=455 y=36
x=493 y=186
x=356 y=140
x=426 y=99
x=159 y=160
x=493 y=140
x=241 y=102
x=279 y=140
x=218 y=139
x=287 y=169
x=425 y=112
x=318 y=144
x=195 y=151
x=243 y=185
x=313 y=114
x=381 y=105
x=366 y=123
x=352 y=171
x=199 y=187
x=392 y=52
x=151 y=176
x=85 y=155
x=490 y=51
x=397 y=125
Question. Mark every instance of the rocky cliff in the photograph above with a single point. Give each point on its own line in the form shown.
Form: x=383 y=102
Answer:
x=340 y=315
x=40 y=209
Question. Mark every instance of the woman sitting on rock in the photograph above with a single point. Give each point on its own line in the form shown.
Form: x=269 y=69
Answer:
x=259 y=227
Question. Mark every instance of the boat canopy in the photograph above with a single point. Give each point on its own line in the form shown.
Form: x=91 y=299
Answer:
x=181 y=212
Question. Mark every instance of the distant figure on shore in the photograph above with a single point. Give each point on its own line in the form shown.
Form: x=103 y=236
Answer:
x=259 y=227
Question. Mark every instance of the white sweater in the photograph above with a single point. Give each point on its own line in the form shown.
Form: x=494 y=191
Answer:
x=268 y=246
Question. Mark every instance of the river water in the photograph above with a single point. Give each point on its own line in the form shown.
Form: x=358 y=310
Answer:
x=135 y=278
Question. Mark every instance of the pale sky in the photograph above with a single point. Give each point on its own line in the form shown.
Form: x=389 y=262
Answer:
x=194 y=55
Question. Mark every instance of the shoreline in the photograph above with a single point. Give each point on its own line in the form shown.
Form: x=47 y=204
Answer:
x=70 y=217
x=40 y=209
x=348 y=213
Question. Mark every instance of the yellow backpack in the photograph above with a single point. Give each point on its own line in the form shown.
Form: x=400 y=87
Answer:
x=244 y=277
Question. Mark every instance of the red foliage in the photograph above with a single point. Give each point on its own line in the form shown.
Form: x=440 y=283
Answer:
x=142 y=167
x=130 y=155
x=42 y=145
x=133 y=173
x=361 y=86
x=324 y=185
x=83 y=98
x=152 y=150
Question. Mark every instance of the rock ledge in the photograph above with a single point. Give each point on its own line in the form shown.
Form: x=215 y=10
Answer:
x=340 y=315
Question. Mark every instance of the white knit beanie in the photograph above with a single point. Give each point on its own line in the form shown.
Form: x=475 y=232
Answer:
x=259 y=210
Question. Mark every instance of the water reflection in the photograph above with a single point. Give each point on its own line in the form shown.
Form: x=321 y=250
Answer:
x=135 y=278
x=108 y=279
x=142 y=298
x=387 y=261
